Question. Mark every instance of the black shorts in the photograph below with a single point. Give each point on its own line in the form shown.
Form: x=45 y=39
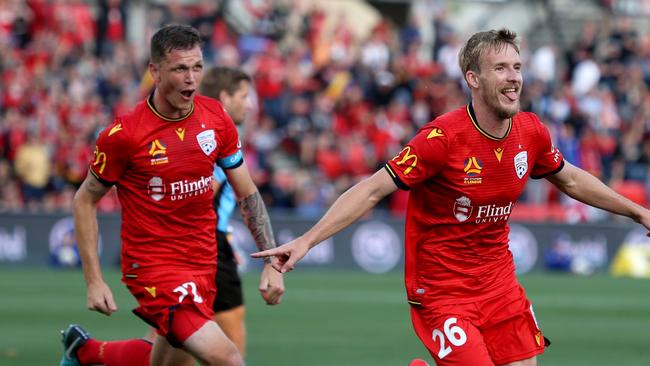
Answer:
x=229 y=290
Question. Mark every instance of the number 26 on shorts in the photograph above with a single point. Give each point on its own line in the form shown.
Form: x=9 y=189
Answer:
x=451 y=333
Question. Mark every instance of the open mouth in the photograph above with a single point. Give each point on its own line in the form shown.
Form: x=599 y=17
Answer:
x=187 y=94
x=510 y=93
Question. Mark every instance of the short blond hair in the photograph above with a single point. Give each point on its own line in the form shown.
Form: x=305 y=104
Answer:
x=469 y=57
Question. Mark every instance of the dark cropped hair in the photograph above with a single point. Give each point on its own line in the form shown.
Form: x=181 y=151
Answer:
x=470 y=55
x=219 y=78
x=173 y=37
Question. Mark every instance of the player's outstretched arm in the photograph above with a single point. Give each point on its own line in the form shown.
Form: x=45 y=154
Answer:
x=349 y=207
x=84 y=206
x=257 y=219
x=588 y=189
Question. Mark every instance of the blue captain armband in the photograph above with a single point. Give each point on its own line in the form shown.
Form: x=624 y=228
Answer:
x=231 y=162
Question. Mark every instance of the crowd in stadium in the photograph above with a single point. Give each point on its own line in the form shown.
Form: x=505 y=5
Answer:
x=329 y=108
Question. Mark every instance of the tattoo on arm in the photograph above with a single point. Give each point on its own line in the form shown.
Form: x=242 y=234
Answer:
x=257 y=219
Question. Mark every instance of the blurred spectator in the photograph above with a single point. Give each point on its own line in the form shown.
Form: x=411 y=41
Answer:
x=111 y=26
x=329 y=105
x=32 y=165
x=586 y=74
x=542 y=64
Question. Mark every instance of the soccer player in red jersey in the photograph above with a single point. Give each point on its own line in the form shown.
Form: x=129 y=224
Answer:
x=465 y=171
x=231 y=87
x=161 y=158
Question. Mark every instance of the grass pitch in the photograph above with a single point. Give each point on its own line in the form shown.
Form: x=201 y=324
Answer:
x=334 y=318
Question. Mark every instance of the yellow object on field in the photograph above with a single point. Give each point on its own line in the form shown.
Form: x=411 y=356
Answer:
x=632 y=260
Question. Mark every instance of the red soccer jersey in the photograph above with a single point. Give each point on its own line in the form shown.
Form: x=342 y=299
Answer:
x=163 y=171
x=463 y=184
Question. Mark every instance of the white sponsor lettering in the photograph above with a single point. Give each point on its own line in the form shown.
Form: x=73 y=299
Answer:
x=186 y=188
x=556 y=153
x=493 y=213
x=180 y=189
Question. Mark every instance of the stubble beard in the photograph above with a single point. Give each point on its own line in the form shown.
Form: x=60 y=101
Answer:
x=503 y=112
x=507 y=112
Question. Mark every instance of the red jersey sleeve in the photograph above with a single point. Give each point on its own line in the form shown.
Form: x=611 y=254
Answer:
x=420 y=159
x=549 y=159
x=111 y=154
x=230 y=155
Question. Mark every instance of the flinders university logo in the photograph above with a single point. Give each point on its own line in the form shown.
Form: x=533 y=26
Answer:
x=185 y=188
x=463 y=209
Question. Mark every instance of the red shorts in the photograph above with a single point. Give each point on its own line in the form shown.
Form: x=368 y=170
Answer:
x=490 y=332
x=176 y=303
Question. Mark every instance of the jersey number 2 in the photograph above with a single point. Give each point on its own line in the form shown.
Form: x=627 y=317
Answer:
x=187 y=288
x=453 y=333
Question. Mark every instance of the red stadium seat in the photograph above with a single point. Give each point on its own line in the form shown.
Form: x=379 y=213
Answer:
x=527 y=212
x=633 y=190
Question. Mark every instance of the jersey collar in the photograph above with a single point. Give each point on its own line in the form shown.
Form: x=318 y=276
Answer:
x=152 y=107
x=472 y=117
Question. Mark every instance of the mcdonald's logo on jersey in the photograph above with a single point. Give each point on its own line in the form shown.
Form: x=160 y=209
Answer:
x=473 y=168
x=100 y=160
x=406 y=158
x=158 y=152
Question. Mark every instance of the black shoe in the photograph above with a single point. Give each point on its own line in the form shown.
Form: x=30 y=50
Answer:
x=72 y=338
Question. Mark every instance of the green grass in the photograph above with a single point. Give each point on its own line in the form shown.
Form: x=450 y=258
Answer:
x=335 y=318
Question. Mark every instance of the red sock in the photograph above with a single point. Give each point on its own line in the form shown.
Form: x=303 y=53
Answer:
x=132 y=352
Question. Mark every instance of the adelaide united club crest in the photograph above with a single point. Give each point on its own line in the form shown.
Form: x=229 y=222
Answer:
x=206 y=141
x=521 y=164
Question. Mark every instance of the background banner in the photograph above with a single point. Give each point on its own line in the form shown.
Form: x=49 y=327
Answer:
x=373 y=245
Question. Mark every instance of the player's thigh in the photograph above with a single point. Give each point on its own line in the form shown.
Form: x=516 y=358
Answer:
x=210 y=346
x=511 y=333
x=164 y=354
x=516 y=341
x=231 y=319
x=527 y=362
x=451 y=340
x=232 y=323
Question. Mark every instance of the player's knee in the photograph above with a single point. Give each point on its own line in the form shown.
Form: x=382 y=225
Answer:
x=527 y=362
x=228 y=358
x=234 y=359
